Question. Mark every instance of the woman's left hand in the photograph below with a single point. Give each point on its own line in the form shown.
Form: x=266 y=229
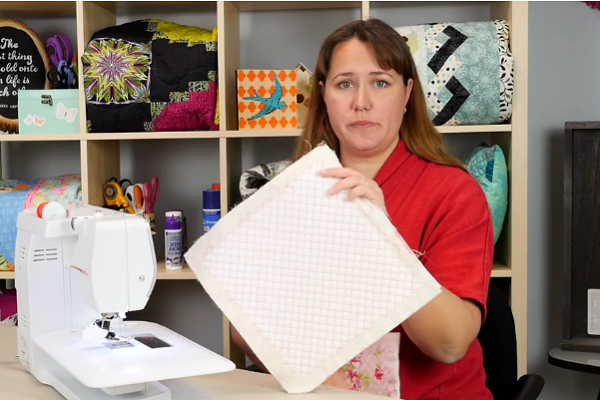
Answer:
x=356 y=183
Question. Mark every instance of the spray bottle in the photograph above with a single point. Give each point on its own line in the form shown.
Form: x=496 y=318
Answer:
x=211 y=207
x=174 y=240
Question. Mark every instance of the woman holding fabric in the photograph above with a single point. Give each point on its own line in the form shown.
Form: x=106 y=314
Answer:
x=370 y=108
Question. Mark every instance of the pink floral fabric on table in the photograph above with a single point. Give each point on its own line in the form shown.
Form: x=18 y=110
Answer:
x=376 y=370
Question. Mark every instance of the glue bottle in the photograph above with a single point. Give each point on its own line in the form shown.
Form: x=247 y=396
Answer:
x=174 y=240
x=211 y=207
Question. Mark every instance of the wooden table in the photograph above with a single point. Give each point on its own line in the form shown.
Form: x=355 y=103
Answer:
x=16 y=383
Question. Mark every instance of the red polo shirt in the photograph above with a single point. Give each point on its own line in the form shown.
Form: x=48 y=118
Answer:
x=441 y=212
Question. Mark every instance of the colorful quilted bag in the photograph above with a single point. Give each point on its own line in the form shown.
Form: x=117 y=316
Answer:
x=151 y=75
x=16 y=195
x=488 y=166
x=466 y=70
x=258 y=176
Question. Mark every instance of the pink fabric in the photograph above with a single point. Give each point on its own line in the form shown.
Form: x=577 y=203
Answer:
x=376 y=370
x=30 y=195
x=8 y=303
x=199 y=111
x=594 y=4
x=66 y=189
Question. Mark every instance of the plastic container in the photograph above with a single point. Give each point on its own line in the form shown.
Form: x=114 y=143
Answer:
x=211 y=206
x=184 y=233
x=174 y=240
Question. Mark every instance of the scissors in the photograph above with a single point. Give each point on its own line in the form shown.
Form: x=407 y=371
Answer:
x=63 y=78
x=150 y=193
x=134 y=194
x=62 y=50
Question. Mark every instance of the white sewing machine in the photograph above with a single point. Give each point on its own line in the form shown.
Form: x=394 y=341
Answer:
x=76 y=277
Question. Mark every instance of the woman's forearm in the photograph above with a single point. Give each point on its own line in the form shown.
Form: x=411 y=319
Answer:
x=444 y=328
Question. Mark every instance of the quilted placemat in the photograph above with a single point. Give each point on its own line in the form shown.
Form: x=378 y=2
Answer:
x=309 y=280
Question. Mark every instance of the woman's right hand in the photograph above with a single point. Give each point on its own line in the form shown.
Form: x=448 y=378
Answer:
x=357 y=185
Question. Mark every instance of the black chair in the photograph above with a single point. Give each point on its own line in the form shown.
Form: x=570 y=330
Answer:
x=499 y=343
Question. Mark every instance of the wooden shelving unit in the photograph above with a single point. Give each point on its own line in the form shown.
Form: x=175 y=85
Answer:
x=231 y=134
x=184 y=273
x=7 y=275
x=500 y=271
x=100 y=153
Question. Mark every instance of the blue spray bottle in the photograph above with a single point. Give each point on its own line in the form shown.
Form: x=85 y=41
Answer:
x=211 y=206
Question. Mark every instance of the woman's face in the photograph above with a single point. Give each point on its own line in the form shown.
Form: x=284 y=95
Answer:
x=365 y=104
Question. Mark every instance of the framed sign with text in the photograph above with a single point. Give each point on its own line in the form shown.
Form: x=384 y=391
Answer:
x=24 y=64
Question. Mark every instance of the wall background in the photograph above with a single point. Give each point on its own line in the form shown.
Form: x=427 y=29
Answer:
x=563 y=86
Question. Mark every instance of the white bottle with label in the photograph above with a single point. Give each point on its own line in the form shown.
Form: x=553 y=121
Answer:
x=174 y=240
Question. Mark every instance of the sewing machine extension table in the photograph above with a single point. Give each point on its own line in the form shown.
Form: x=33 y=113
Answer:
x=16 y=383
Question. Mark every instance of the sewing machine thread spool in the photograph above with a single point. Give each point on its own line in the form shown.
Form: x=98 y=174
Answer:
x=174 y=240
x=51 y=210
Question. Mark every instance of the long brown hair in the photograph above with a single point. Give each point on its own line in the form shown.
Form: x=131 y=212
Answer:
x=392 y=52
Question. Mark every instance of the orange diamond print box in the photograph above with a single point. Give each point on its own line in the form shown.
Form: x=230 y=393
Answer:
x=267 y=99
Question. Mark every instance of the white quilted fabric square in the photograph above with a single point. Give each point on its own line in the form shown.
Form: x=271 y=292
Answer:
x=309 y=280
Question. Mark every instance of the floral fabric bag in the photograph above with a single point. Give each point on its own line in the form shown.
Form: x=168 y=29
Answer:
x=376 y=370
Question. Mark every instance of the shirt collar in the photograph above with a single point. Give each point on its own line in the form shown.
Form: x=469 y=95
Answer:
x=393 y=162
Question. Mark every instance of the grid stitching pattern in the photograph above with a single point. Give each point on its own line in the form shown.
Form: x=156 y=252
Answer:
x=309 y=280
x=312 y=272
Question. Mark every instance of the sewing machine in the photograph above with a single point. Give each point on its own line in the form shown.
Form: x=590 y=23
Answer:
x=78 y=271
